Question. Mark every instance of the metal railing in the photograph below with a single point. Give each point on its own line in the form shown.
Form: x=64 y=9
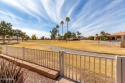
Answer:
x=90 y=69
x=80 y=68
x=44 y=58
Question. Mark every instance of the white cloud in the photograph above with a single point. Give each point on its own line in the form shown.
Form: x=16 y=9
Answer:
x=27 y=6
x=91 y=18
x=39 y=33
x=10 y=15
x=50 y=9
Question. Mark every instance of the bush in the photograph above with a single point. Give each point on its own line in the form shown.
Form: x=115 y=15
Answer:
x=42 y=38
x=91 y=38
x=10 y=73
x=33 y=37
x=103 y=38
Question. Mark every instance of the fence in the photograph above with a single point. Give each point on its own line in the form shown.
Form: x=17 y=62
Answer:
x=80 y=68
x=44 y=58
x=112 y=43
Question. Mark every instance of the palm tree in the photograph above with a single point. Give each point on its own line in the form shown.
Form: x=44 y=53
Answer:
x=57 y=27
x=67 y=20
x=61 y=23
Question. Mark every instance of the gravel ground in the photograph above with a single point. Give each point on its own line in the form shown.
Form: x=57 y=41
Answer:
x=33 y=77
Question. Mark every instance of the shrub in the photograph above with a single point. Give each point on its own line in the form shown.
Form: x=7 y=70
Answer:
x=10 y=73
x=91 y=38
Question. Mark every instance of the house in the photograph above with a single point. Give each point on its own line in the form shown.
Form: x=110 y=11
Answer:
x=119 y=36
x=82 y=38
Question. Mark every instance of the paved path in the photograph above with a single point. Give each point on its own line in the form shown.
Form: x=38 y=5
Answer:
x=55 y=48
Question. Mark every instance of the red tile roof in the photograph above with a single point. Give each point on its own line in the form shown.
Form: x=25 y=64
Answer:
x=118 y=34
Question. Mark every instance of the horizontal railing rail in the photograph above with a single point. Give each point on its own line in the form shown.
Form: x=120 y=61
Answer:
x=97 y=56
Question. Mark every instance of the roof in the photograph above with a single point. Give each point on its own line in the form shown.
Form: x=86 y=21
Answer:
x=118 y=34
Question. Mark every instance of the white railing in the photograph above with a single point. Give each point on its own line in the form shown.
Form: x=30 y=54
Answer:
x=80 y=68
x=89 y=69
x=44 y=58
x=112 y=43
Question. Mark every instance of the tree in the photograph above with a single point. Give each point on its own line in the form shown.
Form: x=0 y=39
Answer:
x=27 y=37
x=4 y=29
x=42 y=38
x=14 y=34
x=8 y=30
x=33 y=37
x=59 y=36
x=102 y=33
x=9 y=33
x=104 y=36
x=73 y=35
x=18 y=34
x=91 y=37
x=78 y=34
x=97 y=37
x=61 y=23
x=67 y=20
x=69 y=35
x=53 y=33
x=23 y=35
x=57 y=26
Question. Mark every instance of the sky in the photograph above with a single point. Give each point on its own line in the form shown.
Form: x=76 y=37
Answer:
x=87 y=16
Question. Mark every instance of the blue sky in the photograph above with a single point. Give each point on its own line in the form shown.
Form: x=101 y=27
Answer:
x=87 y=16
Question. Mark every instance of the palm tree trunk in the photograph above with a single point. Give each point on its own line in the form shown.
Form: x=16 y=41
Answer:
x=67 y=32
x=58 y=34
x=67 y=27
x=62 y=32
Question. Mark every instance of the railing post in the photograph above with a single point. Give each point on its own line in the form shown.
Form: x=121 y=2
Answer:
x=123 y=69
x=118 y=69
x=61 y=62
x=6 y=49
x=23 y=53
